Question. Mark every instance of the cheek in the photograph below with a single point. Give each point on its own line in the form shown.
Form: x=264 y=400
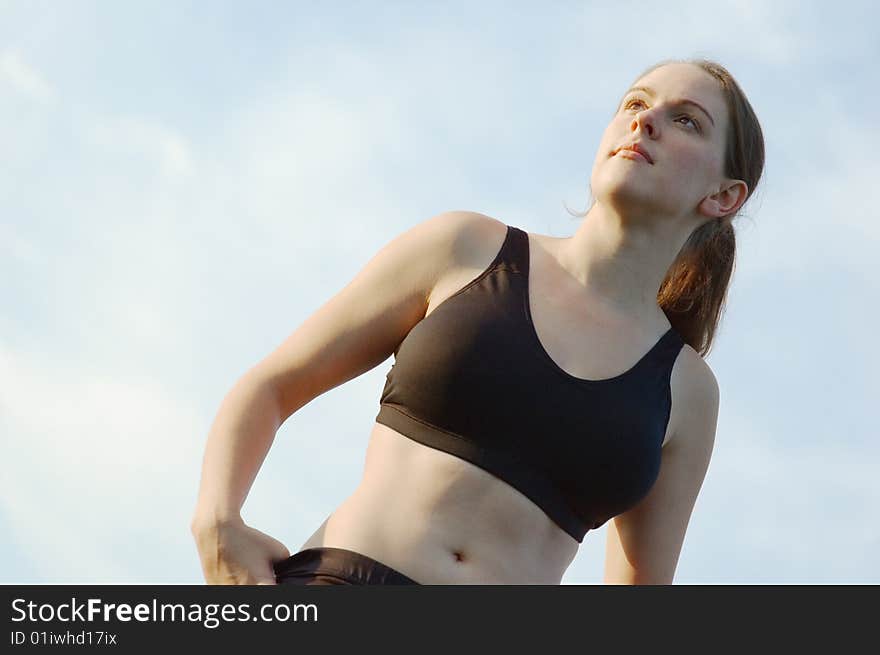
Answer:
x=692 y=160
x=606 y=144
x=698 y=165
x=614 y=134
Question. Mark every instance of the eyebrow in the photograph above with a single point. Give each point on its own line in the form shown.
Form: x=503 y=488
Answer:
x=650 y=92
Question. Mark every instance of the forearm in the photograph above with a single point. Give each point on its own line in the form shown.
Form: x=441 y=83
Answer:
x=237 y=444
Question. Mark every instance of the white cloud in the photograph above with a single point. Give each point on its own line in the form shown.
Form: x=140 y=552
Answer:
x=17 y=247
x=23 y=77
x=796 y=506
x=738 y=29
x=143 y=136
x=90 y=463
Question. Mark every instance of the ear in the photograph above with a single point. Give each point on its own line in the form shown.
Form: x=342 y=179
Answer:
x=726 y=201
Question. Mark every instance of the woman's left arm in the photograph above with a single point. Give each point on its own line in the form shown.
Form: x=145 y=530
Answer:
x=643 y=544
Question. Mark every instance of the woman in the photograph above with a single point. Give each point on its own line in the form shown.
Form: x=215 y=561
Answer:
x=541 y=385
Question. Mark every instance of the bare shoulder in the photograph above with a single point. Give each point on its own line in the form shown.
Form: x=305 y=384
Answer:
x=696 y=397
x=422 y=256
x=367 y=320
x=473 y=235
x=471 y=242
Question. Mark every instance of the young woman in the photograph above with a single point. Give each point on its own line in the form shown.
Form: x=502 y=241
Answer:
x=541 y=385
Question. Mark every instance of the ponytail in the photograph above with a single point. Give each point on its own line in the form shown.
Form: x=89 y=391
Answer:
x=694 y=292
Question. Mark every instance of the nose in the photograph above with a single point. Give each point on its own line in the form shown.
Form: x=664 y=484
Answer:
x=644 y=121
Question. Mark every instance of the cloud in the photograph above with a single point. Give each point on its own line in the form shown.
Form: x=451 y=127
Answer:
x=95 y=470
x=24 y=78
x=134 y=135
x=796 y=507
x=18 y=247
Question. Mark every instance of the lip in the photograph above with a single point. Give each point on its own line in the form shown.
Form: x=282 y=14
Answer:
x=634 y=151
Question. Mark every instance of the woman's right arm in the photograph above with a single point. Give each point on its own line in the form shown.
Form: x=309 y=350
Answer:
x=356 y=330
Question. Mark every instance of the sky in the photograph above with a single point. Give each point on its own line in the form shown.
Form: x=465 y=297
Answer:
x=184 y=183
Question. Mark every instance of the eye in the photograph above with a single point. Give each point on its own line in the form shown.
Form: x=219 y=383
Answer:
x=691 y=119
x=687 y=117
x=634 y=102
x=694 y=121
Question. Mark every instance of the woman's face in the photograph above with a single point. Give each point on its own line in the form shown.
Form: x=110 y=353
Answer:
x=685 y=146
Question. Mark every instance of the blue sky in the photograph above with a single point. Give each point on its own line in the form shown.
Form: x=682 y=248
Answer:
x=183 y=183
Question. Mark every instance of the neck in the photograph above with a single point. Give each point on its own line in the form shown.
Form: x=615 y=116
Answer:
x=621 y=260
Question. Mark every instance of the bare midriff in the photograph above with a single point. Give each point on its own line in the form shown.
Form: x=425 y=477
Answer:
x=441 y=520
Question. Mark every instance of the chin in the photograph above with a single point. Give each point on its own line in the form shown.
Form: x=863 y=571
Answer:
x=629 y=198
x=615 y=188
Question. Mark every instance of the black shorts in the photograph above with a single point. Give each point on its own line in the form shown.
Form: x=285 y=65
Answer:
x=328 y=566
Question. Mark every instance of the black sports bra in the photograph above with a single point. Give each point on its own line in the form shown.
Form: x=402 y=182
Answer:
x=472 y=379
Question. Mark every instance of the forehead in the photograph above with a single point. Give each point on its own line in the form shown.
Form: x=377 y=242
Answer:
x=686 y=82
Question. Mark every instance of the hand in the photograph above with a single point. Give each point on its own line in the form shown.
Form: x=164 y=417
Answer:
x=232 y=552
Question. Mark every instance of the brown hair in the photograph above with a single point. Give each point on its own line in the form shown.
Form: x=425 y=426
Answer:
x=694 y=291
